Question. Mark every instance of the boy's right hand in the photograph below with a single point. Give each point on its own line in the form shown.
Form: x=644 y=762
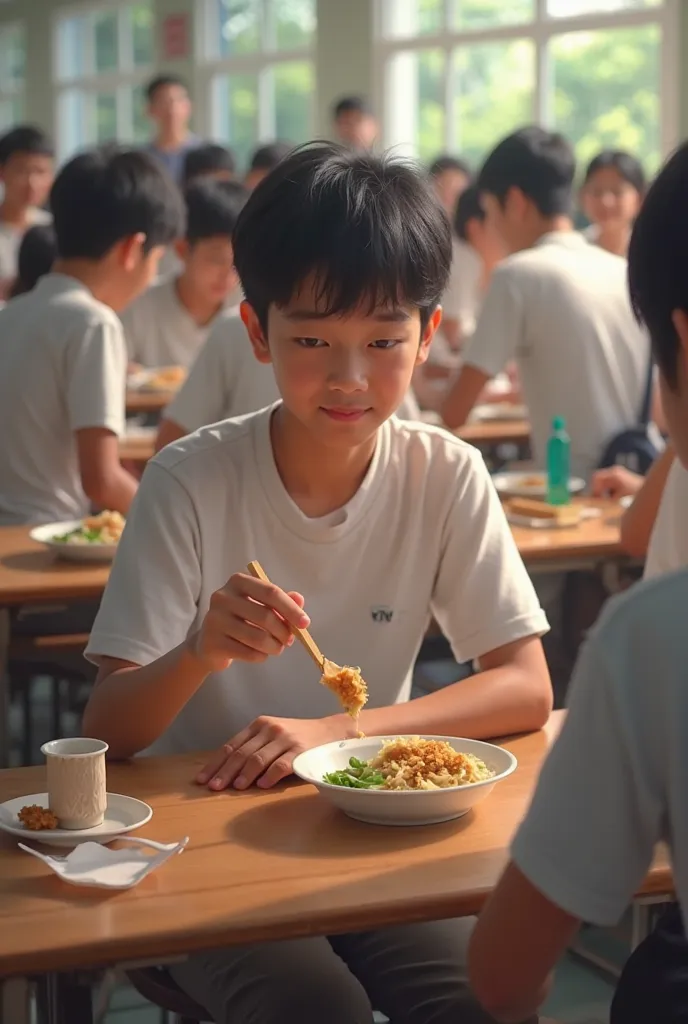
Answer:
x=247 y=620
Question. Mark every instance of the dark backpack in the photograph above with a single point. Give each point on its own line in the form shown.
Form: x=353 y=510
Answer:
x=637 y=447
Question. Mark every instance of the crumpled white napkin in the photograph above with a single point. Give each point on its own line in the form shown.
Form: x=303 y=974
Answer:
x=96 y=865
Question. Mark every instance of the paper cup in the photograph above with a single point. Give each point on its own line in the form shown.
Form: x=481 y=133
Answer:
x=76 y=781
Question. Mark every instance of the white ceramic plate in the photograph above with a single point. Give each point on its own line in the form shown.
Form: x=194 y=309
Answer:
x=144 y=380
x=533 y=523
x=530 y=485
x=498 y=412
x=400 y=807
x=123 y=814
x=72 y=552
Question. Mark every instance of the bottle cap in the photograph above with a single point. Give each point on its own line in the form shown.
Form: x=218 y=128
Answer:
x=558 y=423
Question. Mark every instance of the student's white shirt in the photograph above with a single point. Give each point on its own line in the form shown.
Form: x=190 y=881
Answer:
x=424 y=535
x=615 y=781
x=561 y=309
x=461 y=301
x=62 y=368
x=11 y=238
x=226 y=380
x=668 y=549
x=159 y=329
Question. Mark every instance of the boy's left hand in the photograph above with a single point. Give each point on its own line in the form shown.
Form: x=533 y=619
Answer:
x=264 y=752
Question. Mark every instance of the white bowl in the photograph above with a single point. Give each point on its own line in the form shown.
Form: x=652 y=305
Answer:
x=401 y=807
x=72 y=552
x=530 y=485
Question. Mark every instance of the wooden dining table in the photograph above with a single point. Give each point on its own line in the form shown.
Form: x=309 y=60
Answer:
x=143 y=402
x=260 y=865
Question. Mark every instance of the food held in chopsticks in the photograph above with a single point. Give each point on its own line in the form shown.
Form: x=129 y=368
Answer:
x=347 y=684
x=105 y=528
x=412 y=763
x=37 y=818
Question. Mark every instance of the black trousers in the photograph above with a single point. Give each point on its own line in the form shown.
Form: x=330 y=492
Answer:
x=653 y=988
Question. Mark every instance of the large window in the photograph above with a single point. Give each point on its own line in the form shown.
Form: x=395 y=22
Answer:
x=12 y=75
x=103 y=57
x=460 y=74
x=258 y=70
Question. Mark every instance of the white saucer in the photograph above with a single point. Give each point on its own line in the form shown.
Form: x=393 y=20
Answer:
x=123 y=814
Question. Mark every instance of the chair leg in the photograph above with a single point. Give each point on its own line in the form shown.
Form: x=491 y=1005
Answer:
x=26 y=684
x=56 y=707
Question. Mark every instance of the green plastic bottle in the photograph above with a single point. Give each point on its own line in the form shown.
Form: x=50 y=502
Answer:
x=558 y=463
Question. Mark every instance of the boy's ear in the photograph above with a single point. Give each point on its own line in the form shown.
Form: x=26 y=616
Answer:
x=259 y=343
x=130 y=250
x=428 y=334
x=182 y=249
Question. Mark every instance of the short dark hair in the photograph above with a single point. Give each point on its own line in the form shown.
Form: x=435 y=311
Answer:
x=37 y=253
x=351 y=105
x=160 y=81
x=540 y=163
x=266 y=157
x=212 y=208
x=368 y=228
x=107 y=194
x=627 y=166
x=207 y=159
x=658 y=261
x=468 y=208
x=447 y=162
x=25 y=138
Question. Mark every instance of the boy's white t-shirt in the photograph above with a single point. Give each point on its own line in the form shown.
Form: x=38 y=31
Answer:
x=159 y=329
x=615 y=782
x=461 y=301
x=63 y=365
x=668 y=549
x=226 y=380
x=424 y=535
x=561 y=310
x=11 y=239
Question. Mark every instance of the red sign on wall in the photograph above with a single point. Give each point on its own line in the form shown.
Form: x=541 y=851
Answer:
x=175 y=36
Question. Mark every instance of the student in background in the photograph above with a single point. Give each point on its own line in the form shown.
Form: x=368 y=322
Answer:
x=208 y=160
x=264 y=160
x=37 y=253
x=63 y=358
x=169 y=323
x=615 y=782
x=343 y=259
x=355 y=125
x=26 y=174
x=557 y=305
x=450 y=176
x=169 y=108
x=611 y=196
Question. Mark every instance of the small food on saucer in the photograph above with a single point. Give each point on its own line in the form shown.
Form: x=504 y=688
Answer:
x=105 y=528
x=534 y=480
x=562 y=515
x=168 y=378
x=37 y=818
x=347 y=684
x=412 y=763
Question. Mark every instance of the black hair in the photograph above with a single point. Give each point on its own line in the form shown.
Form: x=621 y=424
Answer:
x=627 y=166
x=160 y=81
x=657 y=261
x=266 y=157
x=37 y=253
x=351 y=105
x=468 y=208
x=212 y=208
x=25 y=138
x=539 y=163
x=366 y=228
x=105 y=195
x=207 y=159
x=447 y=162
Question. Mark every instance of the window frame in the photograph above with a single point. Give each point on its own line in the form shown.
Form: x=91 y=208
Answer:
x=540 y=30
x=14 y=94
x=120 y=81
x=210 y=66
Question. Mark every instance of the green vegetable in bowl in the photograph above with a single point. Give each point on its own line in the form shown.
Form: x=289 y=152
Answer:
x=84 y=535
x=358 y=775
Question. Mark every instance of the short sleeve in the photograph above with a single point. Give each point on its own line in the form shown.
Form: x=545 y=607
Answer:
x=151 y=599
x=96 y=378
x=500 y=325
x=588 y=838
x=483 y=597
x=204 y=397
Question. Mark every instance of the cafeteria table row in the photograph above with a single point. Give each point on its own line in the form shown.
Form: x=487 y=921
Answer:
x=260 y=865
